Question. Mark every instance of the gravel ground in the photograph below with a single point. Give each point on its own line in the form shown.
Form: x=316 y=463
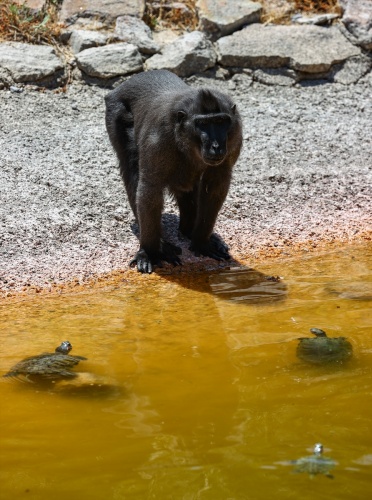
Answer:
x=304 y=178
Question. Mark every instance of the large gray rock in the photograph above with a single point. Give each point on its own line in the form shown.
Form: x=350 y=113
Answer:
x=29 y=63
x=357 y=19
x=85 y=39
x=353 y=70
x=106 y=9
x=306 y=49
x=189 y=54
x=132 y=30
x=219 y=17
x=110 y=61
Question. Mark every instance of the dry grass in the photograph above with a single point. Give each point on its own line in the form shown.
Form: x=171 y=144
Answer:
x=21 y=24
x=280 y=11
x=321 y=6
x=181 y=15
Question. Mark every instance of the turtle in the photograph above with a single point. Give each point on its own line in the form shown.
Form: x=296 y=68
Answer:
x=48 y=366
x=315 y=464
x=323 y=349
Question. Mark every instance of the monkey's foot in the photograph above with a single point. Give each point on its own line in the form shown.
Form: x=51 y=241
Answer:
x=214 y=248
x=147 y=261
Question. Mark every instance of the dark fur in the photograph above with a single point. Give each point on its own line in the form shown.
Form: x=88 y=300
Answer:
x=169 y=135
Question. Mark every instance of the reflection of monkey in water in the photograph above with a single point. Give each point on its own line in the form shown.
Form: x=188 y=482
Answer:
x=169 y=135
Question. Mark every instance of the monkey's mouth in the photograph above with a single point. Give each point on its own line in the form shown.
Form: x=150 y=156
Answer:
x=213 y=160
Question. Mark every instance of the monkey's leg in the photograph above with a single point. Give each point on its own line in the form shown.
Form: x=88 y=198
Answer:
x=120 y=127
x=212 y=193
x=153 y=249
x=130 y=175
x=187 y=203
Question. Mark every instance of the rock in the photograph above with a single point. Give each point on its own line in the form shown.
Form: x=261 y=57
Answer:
x=132 y=30
x=110 y=61
x=190 y=53
x=357 y=18
x=15 y=90
x=219 y=17
x=164 y=37
x=318 y=20
x=282 y=76
x=357 y=12
x=104 y=9
x=6 y=79
x=277 y=11
x=353 y=70
x=29 y=63
x=85 y=39
x=34 y=5
x=307 y=49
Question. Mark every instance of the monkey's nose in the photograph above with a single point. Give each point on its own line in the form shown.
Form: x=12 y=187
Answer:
x=216 y=149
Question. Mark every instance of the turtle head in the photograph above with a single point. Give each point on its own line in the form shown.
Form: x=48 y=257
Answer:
x=65 y=347
x=318 y=449
x=318 y=332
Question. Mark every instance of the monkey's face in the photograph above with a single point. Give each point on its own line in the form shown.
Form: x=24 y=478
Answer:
x=213 y=130
x=209 y=136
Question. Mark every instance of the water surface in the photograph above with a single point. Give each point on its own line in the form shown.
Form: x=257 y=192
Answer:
x=205 y=398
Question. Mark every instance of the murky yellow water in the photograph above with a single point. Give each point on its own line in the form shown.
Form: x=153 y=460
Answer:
x=203 y=396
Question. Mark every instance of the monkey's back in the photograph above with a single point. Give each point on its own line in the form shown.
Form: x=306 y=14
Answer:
x=145 y=87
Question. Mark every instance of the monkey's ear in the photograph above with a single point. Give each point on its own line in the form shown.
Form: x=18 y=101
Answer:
x=233 y=109
x=181 y=115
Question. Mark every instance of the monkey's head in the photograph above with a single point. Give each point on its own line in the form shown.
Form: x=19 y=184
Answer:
x=204 y=126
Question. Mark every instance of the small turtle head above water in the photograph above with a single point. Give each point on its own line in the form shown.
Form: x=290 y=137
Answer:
x=318 y=447
x=315 y=464
x=64 y=348
x=319 y=333
x=323 y=349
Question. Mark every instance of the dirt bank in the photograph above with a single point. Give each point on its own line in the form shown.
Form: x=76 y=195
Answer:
x=304 y=179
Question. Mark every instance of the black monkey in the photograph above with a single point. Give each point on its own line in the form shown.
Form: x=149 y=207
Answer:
x=168 y=135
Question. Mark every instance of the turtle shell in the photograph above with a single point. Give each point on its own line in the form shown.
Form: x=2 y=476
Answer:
x=322 y=349
x=54 y=365
x=315 y=464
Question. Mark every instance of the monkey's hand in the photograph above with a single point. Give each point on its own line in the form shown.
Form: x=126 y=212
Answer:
x=146 y=261
x=214 y=248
